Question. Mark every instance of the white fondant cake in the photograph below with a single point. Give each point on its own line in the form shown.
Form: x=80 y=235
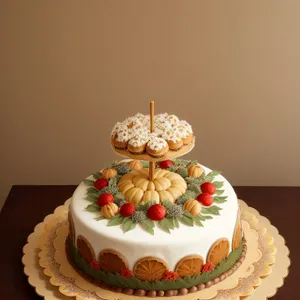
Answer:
x=138 y=243
x=155 y=226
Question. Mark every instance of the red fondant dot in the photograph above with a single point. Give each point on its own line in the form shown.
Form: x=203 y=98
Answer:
x=100 y=183
x=127 y=209
x=156 y=212
x=208 y=267
x=208 y=187
x=105 y=198
x=205 y=198
x=126 y=273
x=94 y=264
x=165 y=164
x=170 y=275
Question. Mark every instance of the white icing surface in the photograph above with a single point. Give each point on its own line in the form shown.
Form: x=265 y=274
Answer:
x=122 y=134
x=116 y=128
x=156 y=143
x=170 y=247
x=185 y=125
x=172 y=119
x=183 y=132
x=173 y=135
x=139 y=140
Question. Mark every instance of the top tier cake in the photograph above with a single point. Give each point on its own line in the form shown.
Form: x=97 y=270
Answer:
x=151 y=228
x=170 y=137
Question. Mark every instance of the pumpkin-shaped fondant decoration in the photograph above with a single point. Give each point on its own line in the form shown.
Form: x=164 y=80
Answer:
x=137 y=188
x=109 y=173
x=136 y=165
x=195 y=171
x=192 y=206
x=109 y=210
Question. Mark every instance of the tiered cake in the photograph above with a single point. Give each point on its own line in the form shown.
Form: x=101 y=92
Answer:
x=155 y=224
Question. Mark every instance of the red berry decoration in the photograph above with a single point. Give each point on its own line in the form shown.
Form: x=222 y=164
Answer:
x=127 y=209
x=206 y=199
x=94 y=264
x=104 y=199
x=156 y=212
x=100 y=183
x=170 y=275
x=165 y=164
x=126 y=273
x=208 y=267
x=208 y=187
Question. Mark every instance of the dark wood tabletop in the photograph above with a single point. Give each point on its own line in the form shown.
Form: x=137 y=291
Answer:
x=26 y=206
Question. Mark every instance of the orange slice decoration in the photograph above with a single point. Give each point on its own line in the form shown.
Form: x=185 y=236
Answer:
x=189 y=265
x=237 y=236
x=84 y=248
x=218 y=251
x=150 y=268
x=71 y=227
x=112 y=261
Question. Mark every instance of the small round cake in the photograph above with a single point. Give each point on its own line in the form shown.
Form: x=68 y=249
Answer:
x=177 y=233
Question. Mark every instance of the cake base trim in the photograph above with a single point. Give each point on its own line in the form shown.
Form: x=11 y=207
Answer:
x=114 y=281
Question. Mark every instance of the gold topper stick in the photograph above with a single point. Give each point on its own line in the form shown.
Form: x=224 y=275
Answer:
x=151 y=163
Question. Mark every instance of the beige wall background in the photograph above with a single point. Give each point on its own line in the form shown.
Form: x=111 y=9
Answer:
x=71 y=69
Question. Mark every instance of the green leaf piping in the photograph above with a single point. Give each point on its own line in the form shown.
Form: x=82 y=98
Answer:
x=93 y=207
x=211 y=210
x=115 y=220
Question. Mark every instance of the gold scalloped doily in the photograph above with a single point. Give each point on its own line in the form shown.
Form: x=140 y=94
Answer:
x=265 y=248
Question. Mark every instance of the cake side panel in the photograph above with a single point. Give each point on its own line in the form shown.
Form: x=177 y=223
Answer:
x=129 y=283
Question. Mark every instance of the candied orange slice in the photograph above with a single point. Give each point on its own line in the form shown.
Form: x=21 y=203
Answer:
x=237 y=236
x=71 y=227
x=84 y=248
x=218 y=251
x=112 y=261
x=150 y=269
x=189 y=265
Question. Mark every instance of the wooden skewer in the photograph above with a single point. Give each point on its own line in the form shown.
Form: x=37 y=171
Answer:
x=152 y=116
x=151 y=163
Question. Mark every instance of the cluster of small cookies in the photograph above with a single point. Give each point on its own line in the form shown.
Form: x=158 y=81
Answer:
x=133 y=134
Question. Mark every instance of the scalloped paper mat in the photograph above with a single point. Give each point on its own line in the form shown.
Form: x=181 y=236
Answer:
x=67 y=285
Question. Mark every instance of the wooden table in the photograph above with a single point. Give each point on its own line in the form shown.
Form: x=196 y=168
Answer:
x=26 y=206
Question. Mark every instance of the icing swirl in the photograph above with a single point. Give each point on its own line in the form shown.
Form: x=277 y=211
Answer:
x=173 y=135
x=122 y=134
x=138 y=141
x=157 y=144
